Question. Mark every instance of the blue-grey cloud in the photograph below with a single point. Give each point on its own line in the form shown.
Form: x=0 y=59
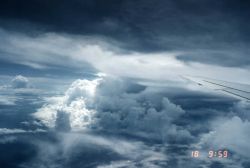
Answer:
x=20 y=82
x=213 y=28
x=40 y=56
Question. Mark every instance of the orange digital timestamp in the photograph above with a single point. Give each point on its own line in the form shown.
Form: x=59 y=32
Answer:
x=211 y=154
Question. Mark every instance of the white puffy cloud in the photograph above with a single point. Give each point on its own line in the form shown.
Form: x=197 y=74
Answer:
x=20 y=81
x=73 y=103
x=136 y=112
x=232 y=134
x=13 y=89
x=242 y=109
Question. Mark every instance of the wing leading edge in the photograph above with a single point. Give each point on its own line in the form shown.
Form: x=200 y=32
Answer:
x=236 y=89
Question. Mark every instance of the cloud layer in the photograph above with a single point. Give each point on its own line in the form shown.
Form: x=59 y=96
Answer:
x=49 y=54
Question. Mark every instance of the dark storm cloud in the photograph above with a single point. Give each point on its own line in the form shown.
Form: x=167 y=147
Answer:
x=144 y=25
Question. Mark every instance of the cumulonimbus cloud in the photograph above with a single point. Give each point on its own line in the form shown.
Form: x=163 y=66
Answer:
x=109 y=103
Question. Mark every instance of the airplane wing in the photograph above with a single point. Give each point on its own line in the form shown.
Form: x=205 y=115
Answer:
x=241 y=91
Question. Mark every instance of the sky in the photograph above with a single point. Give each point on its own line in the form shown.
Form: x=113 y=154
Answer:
x=101 y=84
